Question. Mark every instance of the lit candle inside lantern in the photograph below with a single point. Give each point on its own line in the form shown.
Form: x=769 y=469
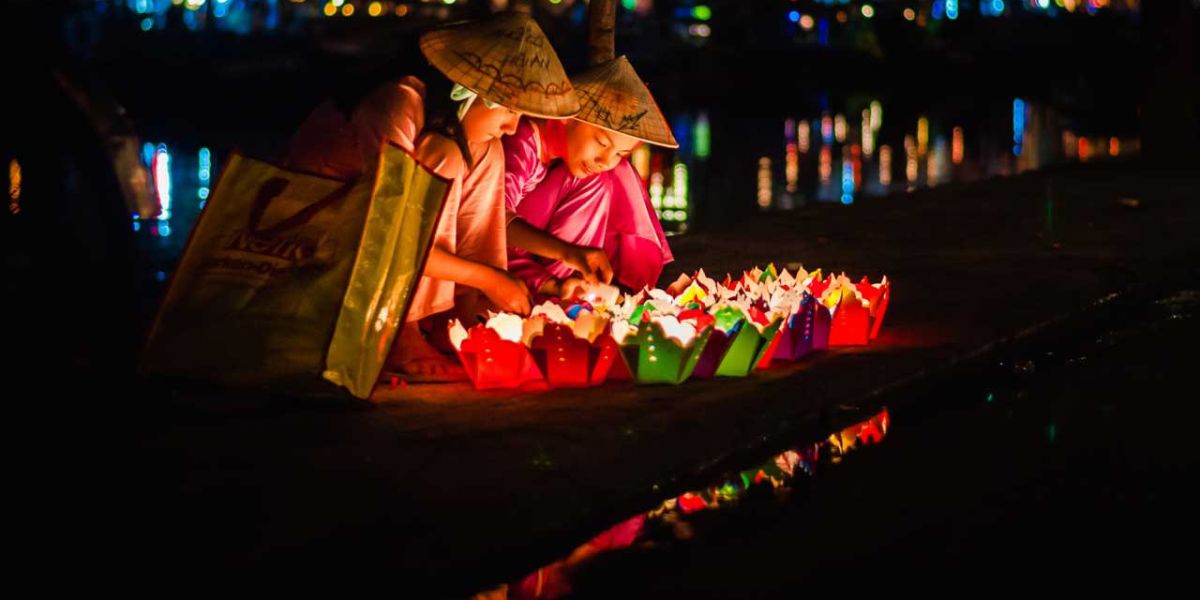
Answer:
x=573 y=353
x=601 y=295
x=547 y=348
x=494 y=355
x=680 y=331
x=855 y=316
x=662 y=348
x=507 y=325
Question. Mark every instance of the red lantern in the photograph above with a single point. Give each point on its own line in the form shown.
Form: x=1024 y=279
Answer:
x=571 y=361
x=851 y=324
x=878 y=295
x=494 y=362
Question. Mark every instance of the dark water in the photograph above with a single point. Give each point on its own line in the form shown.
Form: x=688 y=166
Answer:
x=840 y=150
x=1066 y=463
x=847 y=149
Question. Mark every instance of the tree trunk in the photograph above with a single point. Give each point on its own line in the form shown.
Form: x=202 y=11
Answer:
x=602 y=27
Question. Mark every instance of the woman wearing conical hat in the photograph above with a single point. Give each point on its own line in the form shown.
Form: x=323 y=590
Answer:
x=489 y=73
x=581 y=210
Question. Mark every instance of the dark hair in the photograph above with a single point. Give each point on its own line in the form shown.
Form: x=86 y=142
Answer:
x=441 y=112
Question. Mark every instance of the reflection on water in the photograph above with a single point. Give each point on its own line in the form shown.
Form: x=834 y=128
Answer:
x=182 y=178
x=830 y=157
x=670 y=520
x=823 y=157
x=666 y=173
x=1044 y=435
x=14 y=187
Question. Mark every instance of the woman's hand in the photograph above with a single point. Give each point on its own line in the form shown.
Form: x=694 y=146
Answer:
x=567 y=289
x=571 y=288
x=507 y=292
x=592 y=263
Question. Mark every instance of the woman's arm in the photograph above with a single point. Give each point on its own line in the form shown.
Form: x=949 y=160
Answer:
x=506 y=291
x=531 y=239
x=592 y=263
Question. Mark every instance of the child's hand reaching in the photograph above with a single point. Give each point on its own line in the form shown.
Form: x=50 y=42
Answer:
x=592 y=263
x=508 y=293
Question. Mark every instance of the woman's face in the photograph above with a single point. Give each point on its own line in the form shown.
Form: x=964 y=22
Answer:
x=482 y=124
x=592 y=150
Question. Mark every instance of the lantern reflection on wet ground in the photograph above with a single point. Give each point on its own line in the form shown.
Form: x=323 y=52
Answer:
x=777 y=475
x=1006 y=473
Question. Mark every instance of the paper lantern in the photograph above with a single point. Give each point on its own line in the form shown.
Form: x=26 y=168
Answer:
x=737 y=343
x=805 y=330
x=495 y=354
x=857 y=309
x=661 y=348
x=574 y=353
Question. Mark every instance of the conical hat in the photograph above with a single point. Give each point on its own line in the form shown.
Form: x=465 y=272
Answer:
x=506 y=59
x=614 y=98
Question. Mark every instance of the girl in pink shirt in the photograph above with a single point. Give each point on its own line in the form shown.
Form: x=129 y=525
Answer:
x=578 y=209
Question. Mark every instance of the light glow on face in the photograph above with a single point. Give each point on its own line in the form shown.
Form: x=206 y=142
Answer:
x=592 y=150
x=483 y=124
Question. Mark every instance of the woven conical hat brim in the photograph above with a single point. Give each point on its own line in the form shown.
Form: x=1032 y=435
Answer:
x=614 y=98
x=506 y=59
